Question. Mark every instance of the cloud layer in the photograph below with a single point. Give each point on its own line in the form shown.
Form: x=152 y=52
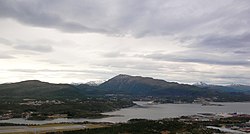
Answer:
x=36 y=46
x=132 y=16
x=169 y=39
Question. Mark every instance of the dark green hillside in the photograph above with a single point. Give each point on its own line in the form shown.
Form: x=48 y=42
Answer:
x=37 y=88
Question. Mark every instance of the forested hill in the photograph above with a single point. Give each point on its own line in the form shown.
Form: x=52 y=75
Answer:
x=37 y=88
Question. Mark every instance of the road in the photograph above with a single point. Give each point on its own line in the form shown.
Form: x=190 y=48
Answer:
x=39 y=129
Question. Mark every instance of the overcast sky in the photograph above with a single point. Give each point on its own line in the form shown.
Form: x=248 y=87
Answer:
x=66 y=41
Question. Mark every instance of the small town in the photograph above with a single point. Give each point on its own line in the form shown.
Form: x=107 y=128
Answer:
x=39 y=102
x=236 y=125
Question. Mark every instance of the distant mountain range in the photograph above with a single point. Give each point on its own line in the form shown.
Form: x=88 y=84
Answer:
x=94 y=83
x=233 y=88
x=123 y=84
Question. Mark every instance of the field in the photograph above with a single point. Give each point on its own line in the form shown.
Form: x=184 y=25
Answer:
x=40 y=129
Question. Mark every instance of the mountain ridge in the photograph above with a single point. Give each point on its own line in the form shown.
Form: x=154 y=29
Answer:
x=120 y=84
x=146 y=86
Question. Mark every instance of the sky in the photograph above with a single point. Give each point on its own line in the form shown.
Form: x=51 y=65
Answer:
x=65 y=41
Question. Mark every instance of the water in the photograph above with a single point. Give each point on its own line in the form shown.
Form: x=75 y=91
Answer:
x=227 y=130
x=146 y=111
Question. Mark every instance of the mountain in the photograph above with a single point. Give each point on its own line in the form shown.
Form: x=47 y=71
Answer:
x=146 y=86
x=94 y=83
x=37 y=88
x=137 y=85
x=201 y=84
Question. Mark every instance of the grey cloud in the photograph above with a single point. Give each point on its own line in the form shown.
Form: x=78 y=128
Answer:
x=53 y=61
x=5 y=56
x=37 y=45
x=5 y=41
x=113 y=54
x=131 y=64
x=214 y=48
x=241 y=52
x=224 y=41
x=236 y=78
x=198 y=57
x=219 y=49
x=38 y=48
x=139 y=18
x=41 y=14
x=54 y=71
